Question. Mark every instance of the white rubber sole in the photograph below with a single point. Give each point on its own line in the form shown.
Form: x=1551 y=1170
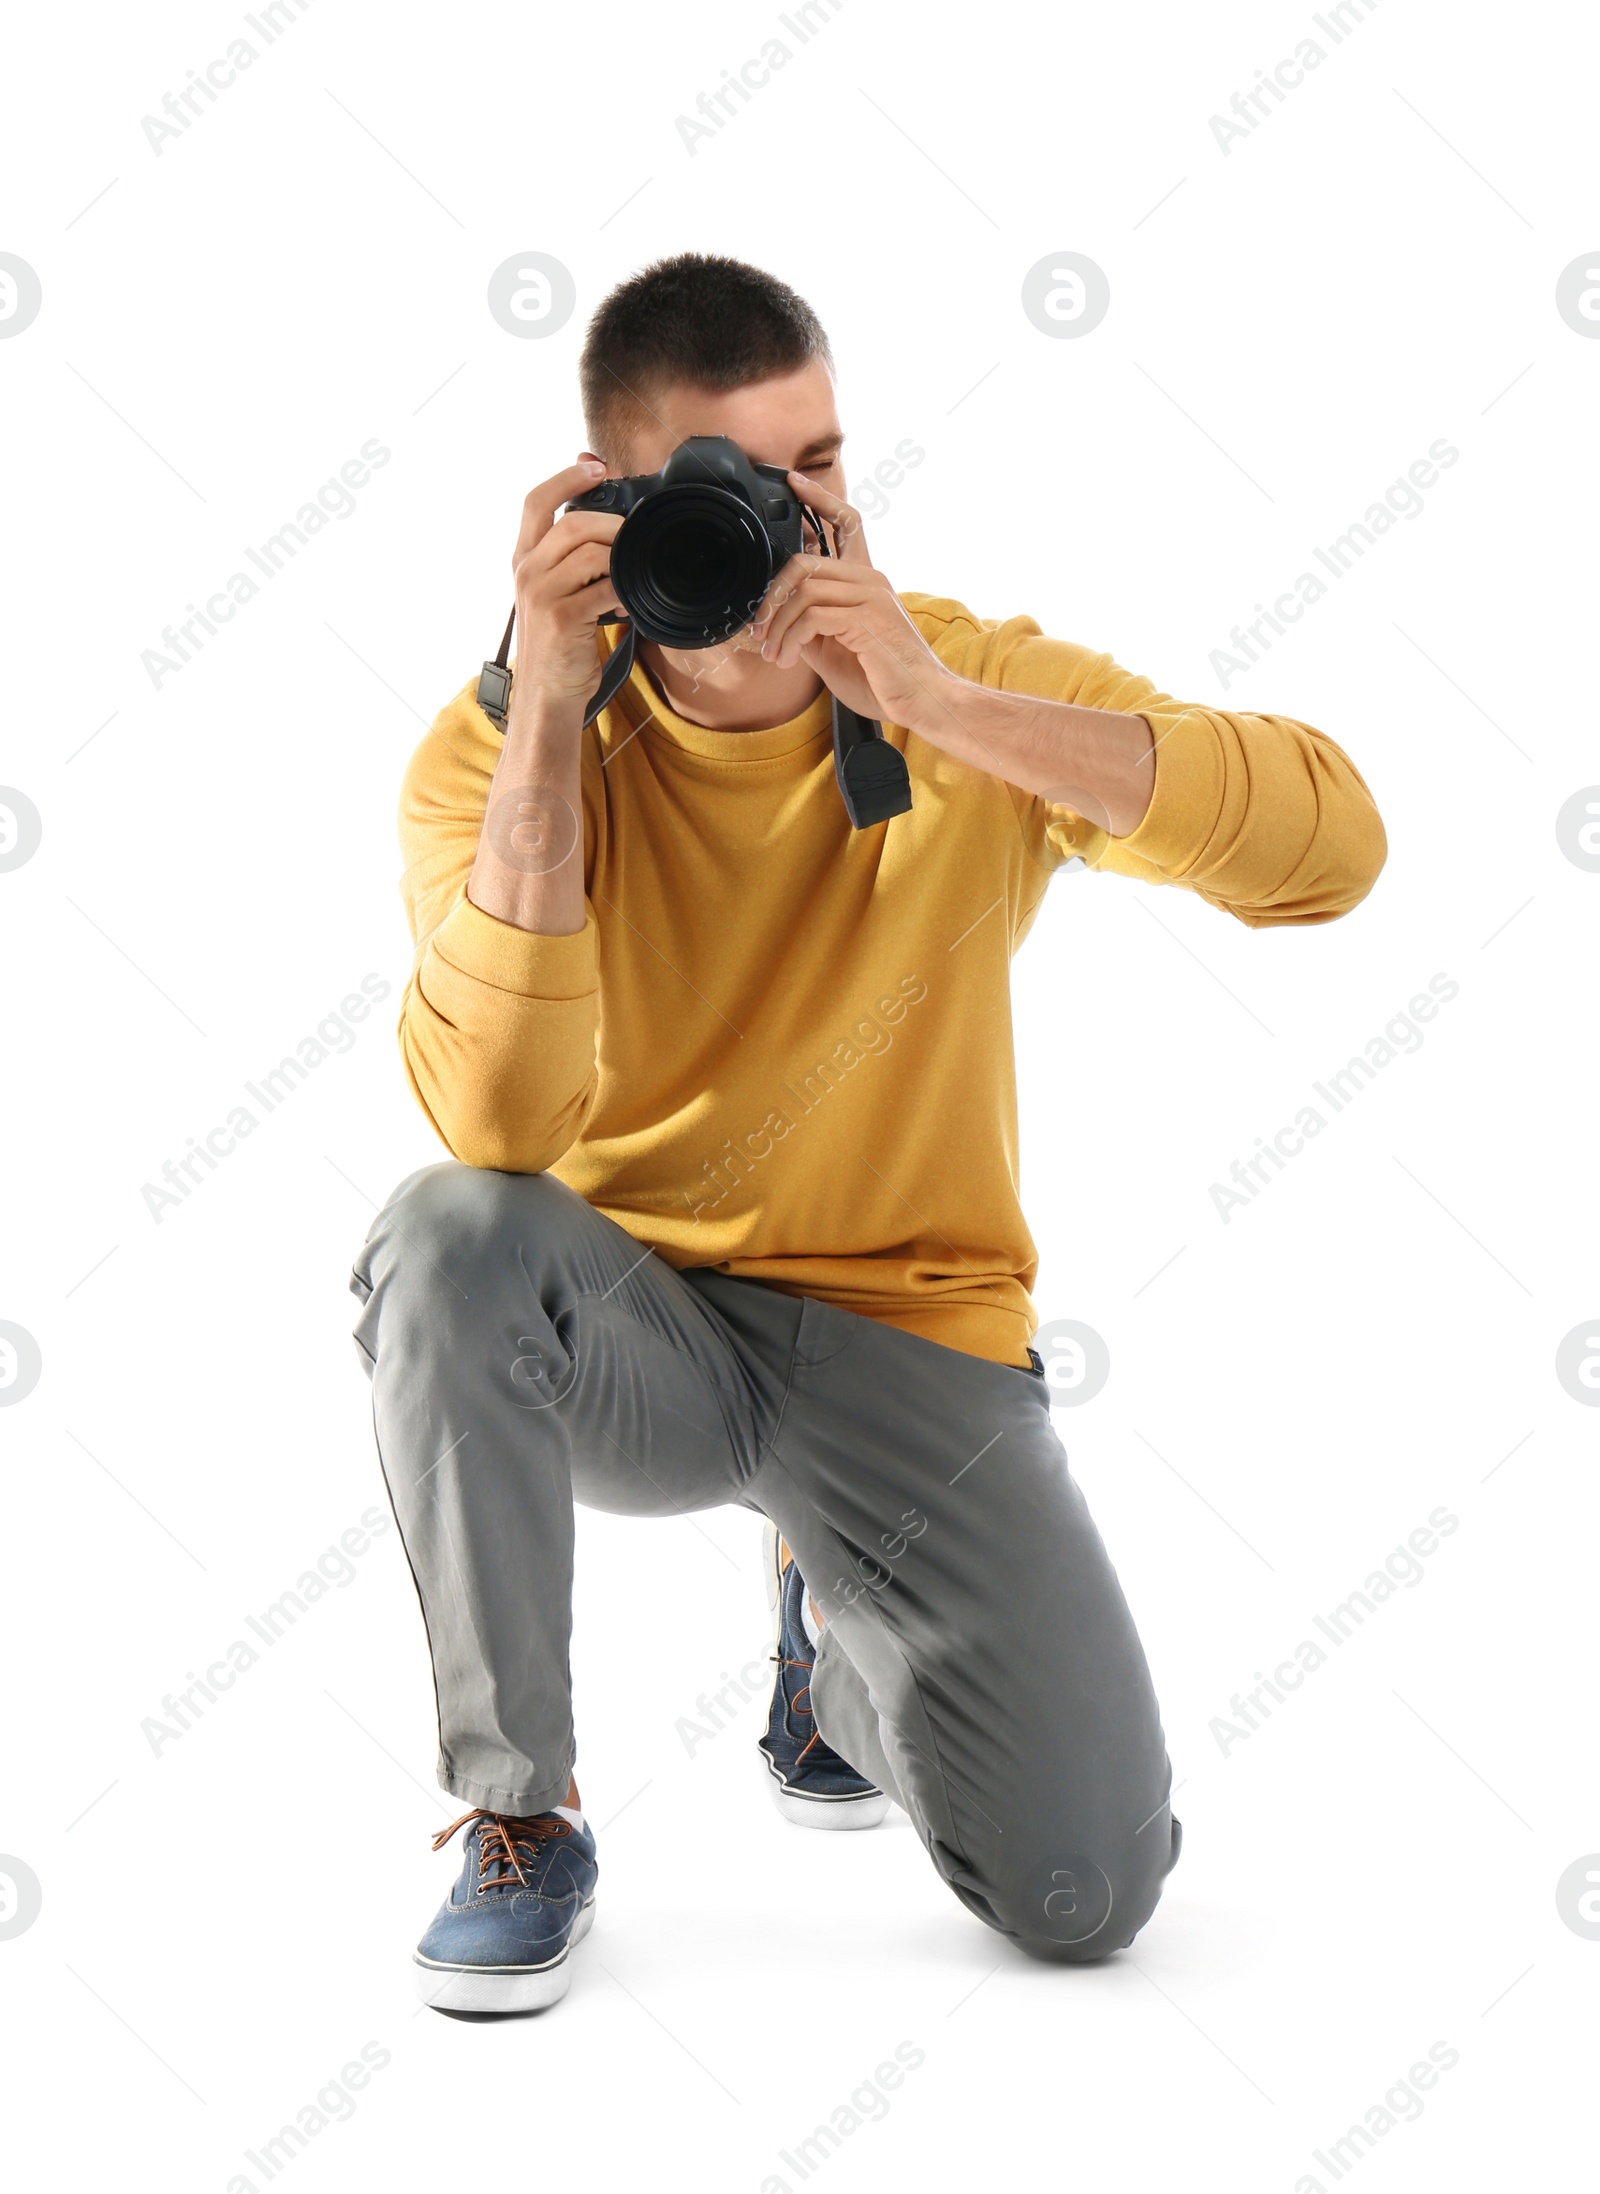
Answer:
x=863 y=1812
x=500 y=1989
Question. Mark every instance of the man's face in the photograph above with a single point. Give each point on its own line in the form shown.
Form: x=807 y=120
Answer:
x=790 y=420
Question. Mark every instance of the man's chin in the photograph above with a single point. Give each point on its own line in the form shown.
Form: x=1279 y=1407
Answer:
x=743 y=642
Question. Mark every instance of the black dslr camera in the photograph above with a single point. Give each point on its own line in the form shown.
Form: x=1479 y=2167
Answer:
x=704 y=539
x=700 y=543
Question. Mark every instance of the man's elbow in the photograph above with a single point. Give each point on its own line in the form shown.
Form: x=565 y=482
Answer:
x=479 y=1136
x=476 y=1143
x=490 y=1127
x=1363 y=848
x=1350 y=844
x=1338 y=872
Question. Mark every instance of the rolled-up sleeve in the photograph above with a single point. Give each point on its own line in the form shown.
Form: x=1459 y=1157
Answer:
x=1262 y=815
x=498 y=1025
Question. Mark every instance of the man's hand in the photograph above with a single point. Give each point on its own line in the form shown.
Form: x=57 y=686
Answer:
x=562 y=570
x=840 y=615
x=528 y=870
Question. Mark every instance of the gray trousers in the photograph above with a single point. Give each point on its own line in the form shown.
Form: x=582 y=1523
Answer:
x=978 y=1663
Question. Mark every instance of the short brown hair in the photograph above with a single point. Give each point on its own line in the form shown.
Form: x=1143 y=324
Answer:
x=699 y=318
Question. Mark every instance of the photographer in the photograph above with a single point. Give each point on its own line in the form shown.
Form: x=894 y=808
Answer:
x=732 y=1213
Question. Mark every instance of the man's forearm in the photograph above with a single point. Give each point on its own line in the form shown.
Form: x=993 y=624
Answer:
x=1095 y=761
x=529 y=865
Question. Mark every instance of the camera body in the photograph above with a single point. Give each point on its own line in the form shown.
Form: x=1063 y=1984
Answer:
x=701 y=540
x=700 y=543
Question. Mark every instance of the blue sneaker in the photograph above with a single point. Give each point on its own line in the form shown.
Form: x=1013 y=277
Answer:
x=811 y=1784
x=501 y=1940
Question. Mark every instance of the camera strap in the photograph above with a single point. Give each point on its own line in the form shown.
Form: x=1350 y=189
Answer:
x=873 y=780
x=494 y=680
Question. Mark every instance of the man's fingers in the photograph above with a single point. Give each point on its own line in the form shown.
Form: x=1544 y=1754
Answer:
x=850 y=539
x=573 y=611
x=832 y=584
x=784 y=586
x=583 y=535
x=541 y=503
x=818 y=621
x=809 y=574
x=592 y=601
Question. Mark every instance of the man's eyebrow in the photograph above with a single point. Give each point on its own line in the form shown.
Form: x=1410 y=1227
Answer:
x=826 y=445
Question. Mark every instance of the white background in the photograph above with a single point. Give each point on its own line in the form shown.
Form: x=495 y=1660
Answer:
x=224 y=324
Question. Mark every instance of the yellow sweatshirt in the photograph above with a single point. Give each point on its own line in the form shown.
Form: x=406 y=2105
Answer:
x=783 y=1047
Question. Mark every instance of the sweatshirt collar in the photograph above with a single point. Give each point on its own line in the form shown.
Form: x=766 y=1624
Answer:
x=645 y=710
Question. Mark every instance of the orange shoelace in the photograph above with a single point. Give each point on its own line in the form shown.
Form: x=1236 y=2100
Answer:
x=500 y=1841
x=804 y=1693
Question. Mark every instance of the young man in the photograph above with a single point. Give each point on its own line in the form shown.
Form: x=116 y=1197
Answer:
x=733 y=1215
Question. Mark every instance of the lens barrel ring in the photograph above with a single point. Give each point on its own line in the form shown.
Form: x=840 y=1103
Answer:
x=690 y=565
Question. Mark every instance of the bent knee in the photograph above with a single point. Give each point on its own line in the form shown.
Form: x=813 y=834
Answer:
x=1078 y=1907
x=450 y=1219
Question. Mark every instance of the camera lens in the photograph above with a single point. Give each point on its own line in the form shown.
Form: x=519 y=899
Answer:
x=690 y=566
x=695 y=561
